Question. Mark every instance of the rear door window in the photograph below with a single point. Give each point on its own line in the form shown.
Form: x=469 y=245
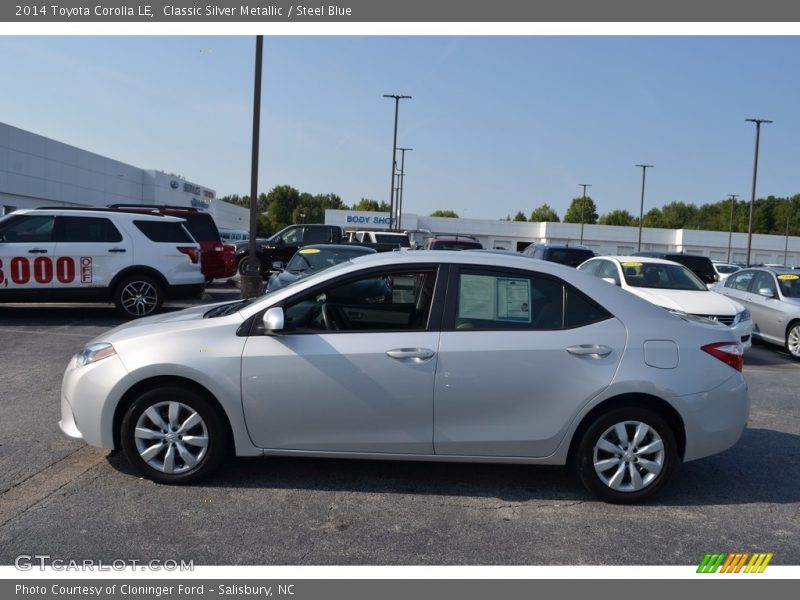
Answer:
x=86 y=229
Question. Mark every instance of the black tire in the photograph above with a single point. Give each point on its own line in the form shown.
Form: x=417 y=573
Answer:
x=148 y=453
x=627 y=462
x=241 y=268
x=138 y=296
x=792 y=343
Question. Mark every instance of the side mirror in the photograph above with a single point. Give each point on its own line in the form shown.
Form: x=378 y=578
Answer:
x=766 y=292
x=280 y=242
x=610 y=280
x=273 y=320
x=277 y=266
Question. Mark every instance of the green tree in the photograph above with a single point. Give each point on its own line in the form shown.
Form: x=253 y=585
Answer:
x=679 y=215
x=652 y=218
x=581 y=208
x=520 y=216
x=617 y=217
x=370 y=205
x=282 y=201
x=544 y=214
x=445 y=213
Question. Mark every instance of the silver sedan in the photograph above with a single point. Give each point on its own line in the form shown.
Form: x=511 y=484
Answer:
x=447 y=356
x=773 y=297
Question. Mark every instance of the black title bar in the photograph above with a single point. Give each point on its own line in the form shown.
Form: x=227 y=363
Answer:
x=412 y=11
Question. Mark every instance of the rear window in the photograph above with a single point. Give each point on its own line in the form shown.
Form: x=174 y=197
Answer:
x=455 y=245
x=164 y=231
x=202 y=228
x=698 y=264
x=571 y=257
x=386 y=238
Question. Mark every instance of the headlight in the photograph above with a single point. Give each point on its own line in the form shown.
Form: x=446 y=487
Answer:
x=93 y=353
x=742 y=316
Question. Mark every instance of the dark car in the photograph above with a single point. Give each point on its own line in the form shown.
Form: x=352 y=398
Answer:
x=281 y=246
x=448 y=242
x=310 y=259
x=699 y=265
x=217 y=258
x=563 y=254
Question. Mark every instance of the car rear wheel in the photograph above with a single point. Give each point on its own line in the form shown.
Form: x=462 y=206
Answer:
x=626 y=455
x=138 y=296
x=172 y=435
x=793 y=339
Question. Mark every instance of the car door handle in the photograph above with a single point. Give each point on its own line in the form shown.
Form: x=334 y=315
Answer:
x=37 y=251
x=117 y=250
x=416 y=355
x=591 y=350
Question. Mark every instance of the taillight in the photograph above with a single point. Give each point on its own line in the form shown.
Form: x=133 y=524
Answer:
x=229 y=248
x=190 y=251
x=731 y=353
x=219 y=248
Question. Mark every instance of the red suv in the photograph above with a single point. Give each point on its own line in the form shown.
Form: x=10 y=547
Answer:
x=217 y=258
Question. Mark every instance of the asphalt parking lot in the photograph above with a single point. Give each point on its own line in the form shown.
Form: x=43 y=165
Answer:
x=61 y=498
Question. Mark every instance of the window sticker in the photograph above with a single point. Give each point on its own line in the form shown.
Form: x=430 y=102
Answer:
x=477 y=297
x=495 y=298
x=631 y=264
x=788 y=277
x=513 y=299
x=309 y=251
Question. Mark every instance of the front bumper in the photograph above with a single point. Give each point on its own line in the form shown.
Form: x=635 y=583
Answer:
x=89 y=397
x=744 y=332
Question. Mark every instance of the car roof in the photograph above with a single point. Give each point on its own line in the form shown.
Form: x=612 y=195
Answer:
x=98 y=212
x=649 y=259
x=342 y=247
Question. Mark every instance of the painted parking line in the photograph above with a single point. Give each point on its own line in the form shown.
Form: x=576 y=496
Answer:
x=46 y=482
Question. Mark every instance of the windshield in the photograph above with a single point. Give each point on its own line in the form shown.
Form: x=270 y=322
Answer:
x=790 y=285
x=311 y=275
x=661 y=276
x=308 y=260
x=726 y=269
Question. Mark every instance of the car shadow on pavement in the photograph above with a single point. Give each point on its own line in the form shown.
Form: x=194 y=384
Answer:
x=753 y=471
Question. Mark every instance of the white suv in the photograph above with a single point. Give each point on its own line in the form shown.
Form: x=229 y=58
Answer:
x=134 y=260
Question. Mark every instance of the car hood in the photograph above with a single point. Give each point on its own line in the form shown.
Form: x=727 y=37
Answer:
x=692 y=302
x=161 y=323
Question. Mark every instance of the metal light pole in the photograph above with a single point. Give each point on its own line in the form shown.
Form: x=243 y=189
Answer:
x=758 y=123
x=583 y=206
x=786 y=243
x=402 y=177
x=397 y=98
x=251 y=278
x=733 y=198
x=641 y=206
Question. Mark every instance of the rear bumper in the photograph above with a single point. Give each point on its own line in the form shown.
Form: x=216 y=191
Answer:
x=215 y=266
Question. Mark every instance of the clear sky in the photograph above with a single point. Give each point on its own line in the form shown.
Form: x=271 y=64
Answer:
x=497 y=124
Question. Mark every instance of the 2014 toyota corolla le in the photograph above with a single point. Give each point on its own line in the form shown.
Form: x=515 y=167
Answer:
x=444 y=356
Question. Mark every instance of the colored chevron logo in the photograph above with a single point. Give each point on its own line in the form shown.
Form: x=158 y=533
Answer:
x=739 y=562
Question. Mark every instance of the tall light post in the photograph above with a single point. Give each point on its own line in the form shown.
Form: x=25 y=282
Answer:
x=583 y=206
x=397 y=98
x=733 y=198
x=641 y=206
x=402 y=177
x=251 y=278
x=758 y=123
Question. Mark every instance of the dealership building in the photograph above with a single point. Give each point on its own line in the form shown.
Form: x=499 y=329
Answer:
x=603 y=239
x=38 y=171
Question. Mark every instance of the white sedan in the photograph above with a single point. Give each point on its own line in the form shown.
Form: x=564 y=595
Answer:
x=673 y=287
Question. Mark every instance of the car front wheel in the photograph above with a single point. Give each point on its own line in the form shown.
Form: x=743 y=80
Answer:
x=627 y=455
x=172 y=435
x=793 y=340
